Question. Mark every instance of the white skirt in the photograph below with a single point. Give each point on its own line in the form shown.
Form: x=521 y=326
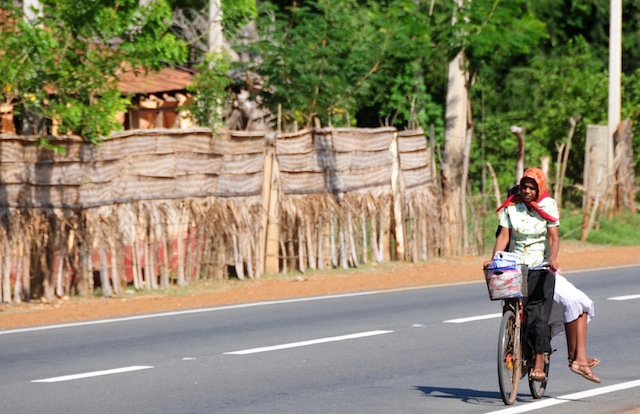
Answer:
x=569 y=303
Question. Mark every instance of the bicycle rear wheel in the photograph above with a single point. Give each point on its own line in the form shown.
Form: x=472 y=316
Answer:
x=537 y=388
x=509 y=357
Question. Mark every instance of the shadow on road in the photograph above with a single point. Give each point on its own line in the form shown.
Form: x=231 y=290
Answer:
x=463 y=394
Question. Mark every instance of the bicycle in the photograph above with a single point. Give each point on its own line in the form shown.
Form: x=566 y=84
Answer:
x=510 y=286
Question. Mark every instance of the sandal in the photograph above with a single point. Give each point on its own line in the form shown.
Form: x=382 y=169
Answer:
x=592 y=362
x=584 y=371
x=537 y=375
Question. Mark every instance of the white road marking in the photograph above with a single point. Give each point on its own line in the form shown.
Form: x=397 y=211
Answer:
x=93 y=374
x=474 y=318
x=307 y=343
x=568 y=398
x=185 y=312
x=265 y=303
x=627 y=297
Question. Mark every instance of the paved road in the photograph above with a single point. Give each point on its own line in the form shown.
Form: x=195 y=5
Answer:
x=428 y=350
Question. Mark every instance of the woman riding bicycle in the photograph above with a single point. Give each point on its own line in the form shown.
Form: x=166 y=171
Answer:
x=571 y=311
x=529 y=228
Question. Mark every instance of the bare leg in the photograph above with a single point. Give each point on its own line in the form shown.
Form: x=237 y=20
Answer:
x=571 y=332
x=580 y=345
x=576 y=332
x=539 y=365
x=537 y=372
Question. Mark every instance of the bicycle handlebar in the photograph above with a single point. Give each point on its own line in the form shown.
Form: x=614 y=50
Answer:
x=541 y=266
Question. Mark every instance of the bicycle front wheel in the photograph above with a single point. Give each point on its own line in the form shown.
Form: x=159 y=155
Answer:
x=509 y=357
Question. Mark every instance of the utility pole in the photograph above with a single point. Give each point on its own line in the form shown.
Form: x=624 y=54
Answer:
x=615 y=67
x=32 y=9
x=215 y=27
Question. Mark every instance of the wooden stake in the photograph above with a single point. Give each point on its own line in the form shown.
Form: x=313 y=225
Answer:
x=396 y=192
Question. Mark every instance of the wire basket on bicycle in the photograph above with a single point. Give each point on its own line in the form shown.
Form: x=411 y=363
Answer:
x=506 y=277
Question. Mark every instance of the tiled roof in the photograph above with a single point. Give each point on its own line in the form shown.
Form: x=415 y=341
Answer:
x=167 y=79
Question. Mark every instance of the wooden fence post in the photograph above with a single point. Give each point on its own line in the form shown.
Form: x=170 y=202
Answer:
x=398 y=216
x=271 y=215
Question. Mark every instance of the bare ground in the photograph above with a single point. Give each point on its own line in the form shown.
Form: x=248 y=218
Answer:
x=573 y=256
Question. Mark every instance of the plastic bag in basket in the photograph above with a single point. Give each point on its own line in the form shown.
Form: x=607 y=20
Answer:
x=506 y=260
x=504 y=283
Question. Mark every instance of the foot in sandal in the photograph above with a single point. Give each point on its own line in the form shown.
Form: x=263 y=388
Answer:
x=592 y=362
x=537 y=375
x=584 y=371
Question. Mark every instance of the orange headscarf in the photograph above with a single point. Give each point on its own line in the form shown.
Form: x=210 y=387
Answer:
x=536 y=175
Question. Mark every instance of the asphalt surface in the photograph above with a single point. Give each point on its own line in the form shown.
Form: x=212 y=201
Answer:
x=415 y=350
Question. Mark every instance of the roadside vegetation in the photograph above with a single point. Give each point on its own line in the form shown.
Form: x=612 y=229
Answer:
x=616 y=230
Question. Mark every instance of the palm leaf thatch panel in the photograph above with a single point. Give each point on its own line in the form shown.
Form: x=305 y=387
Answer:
x=150 y=207
x=60 y=173
x=74 y=148
x=355 y=139
x=236 y=185
x=239 y=142
x=155 y=141
x=419 y=179
x=336 y=189
x=242 y=163
x=414 y=160
x=332 y=161
x=314 y=161
x=412 y=141
x=420 y=194
x=336 y=183
x=300 y=142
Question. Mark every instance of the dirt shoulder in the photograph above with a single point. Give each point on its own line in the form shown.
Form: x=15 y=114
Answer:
x=573 y=256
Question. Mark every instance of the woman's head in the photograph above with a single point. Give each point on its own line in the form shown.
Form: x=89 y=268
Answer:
x=533 y=184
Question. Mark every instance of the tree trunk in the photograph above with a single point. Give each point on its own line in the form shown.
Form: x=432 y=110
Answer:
x=625 y=176
x=6 y=274
x=519 y=132
x=452 y=171
x=496 y=188
x=104 y=270
x=565 y=161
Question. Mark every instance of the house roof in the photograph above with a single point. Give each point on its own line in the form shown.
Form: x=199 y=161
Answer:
x=167 y=79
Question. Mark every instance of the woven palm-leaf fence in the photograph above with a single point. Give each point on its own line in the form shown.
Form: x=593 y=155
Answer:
x=153 y=208
x=150 y=208
x=350 y=196
x=420 y=196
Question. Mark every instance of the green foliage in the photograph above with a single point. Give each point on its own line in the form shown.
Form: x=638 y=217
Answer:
x=619 y=230
x=311 y=54
x=235 y=13
x=62 y=65
x=403 y=88
x=541 y=97
x=493 y=33
x=566 y=75
x=210 y=91
x=631 y=108
x=336 y=58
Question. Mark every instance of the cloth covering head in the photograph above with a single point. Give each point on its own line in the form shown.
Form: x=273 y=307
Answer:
x=537 y=175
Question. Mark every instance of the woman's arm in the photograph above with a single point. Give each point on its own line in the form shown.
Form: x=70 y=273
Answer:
x=554 y=247
x=501 y=243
